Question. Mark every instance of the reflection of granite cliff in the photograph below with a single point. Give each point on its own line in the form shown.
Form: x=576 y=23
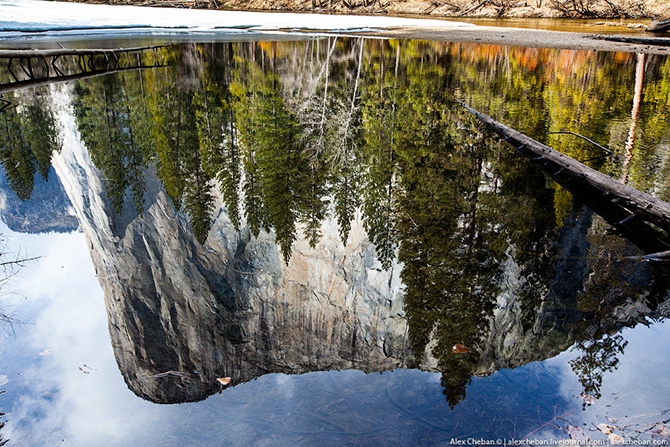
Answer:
x=47 y=210
x=230 y=308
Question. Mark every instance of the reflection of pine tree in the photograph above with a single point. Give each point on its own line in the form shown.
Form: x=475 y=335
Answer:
x=198 y=200
x=40 y=129
x=325 y=98
x=106 y=124
x=273 y=159
x=450 y=242
x=346 y=192
x=230 y=175
x=314 y=203
x=379 y=191
x=450 y=269
x=216 y=127
x=164 y=101
x=254 y=209
x=281 y=165
x=596 y=358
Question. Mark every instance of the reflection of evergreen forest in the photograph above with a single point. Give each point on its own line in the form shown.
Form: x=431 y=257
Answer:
x=288 y=134
x=27 y=140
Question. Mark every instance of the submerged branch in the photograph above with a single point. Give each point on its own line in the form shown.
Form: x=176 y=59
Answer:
x=32 y=83
x=19 y=261
x=73 y=51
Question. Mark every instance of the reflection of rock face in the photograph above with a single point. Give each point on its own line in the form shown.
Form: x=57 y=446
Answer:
x=47 y=210
x=181 y=314
x=232 y=309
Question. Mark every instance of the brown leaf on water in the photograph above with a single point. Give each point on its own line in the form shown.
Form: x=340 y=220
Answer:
x=224 y=381
x=460 y=349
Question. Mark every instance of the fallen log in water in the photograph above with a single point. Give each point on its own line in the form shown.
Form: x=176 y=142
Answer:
x=622 y=206
x=659 y=26
x=655 y=41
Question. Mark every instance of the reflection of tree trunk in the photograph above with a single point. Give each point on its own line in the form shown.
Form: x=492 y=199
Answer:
x=325 y=93
x=358 y=77
x=347 y=124
x=210 y=147
x=637 y=99
x=308 y=47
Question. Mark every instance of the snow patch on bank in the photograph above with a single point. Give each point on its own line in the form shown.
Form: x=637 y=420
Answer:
x=29 y=16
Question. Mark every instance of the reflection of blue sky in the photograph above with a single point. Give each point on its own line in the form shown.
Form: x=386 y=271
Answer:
x=76 y=396
x=637 y=393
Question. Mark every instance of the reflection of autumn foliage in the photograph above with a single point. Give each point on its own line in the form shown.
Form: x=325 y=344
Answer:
x=552 y=63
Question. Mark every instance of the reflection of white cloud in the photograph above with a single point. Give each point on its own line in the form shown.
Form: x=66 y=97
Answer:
x=75 y=393
x=285 y=385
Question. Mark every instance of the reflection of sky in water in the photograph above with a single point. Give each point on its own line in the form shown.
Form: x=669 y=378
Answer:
x=74 y=395
x=636 y=394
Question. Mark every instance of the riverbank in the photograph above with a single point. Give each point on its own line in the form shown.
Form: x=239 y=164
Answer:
x=36 y=24
x=611 y=10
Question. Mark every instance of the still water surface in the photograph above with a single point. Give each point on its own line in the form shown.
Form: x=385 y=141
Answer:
x=320 y=225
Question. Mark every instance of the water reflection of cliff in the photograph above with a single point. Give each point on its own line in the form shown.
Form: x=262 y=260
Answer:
x=295 y=207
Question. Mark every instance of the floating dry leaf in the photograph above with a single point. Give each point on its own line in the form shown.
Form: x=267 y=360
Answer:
x=607 y=429
x=460 y=349
x=224 y=381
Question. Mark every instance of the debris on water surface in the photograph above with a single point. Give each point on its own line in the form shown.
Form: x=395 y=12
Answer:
x=615 y=439
x=588 y=399
x=86 y=369
x=660 y=431
x=578 y=434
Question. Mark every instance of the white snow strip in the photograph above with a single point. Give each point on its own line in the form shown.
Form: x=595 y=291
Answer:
x=41 y=16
